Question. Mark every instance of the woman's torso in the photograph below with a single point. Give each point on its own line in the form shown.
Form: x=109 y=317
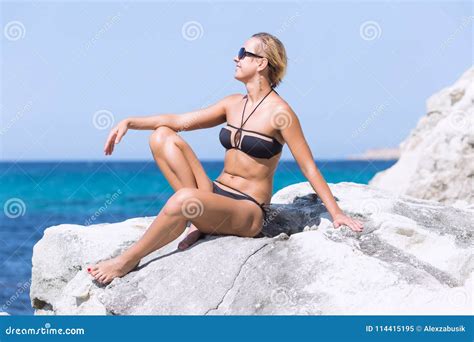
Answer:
x=246 y=173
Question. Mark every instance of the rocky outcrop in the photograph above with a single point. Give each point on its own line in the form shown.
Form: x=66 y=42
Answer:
x=413 y=257
x=437 y=159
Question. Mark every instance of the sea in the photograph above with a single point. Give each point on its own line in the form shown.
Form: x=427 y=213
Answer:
x=37 y=195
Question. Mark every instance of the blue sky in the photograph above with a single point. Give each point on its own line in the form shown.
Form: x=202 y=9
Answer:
x=358 y=77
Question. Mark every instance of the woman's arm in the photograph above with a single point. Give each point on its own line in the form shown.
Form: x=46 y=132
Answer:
x=203 y=118
x=294 y=137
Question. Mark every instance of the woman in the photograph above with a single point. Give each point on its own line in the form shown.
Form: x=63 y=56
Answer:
x=258 y=124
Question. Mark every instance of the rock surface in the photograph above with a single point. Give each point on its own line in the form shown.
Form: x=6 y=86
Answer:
x=413 y=257
x=437 y=159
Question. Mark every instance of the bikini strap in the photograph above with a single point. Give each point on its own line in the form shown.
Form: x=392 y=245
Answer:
x=242 y=122
x=243 y=193
x=231 y=188
x=238 y=133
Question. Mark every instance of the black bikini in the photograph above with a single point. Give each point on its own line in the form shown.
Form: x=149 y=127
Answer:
x=253 y=146
x=218 y=190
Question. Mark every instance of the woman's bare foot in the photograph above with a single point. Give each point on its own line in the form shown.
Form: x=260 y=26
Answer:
x=106 y=271
x=193 y=235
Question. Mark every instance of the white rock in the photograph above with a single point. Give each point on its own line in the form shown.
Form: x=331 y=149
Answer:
x=437 y=159
x=414 y=257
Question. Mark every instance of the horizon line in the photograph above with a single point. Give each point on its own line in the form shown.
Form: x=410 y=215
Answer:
x=148 y=160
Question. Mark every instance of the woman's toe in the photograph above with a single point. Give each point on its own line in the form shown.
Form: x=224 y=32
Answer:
x=92 y=269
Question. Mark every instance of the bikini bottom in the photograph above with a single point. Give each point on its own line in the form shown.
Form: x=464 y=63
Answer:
x=218 y=190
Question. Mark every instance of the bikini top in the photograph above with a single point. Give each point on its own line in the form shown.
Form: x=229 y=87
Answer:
x=264 y=147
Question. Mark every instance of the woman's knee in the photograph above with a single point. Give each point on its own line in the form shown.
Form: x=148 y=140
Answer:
x=184 y=202
x=160 y=136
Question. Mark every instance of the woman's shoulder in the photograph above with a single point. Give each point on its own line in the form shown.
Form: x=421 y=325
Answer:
x=232 y=99
x=279 y=104
x=236 y=96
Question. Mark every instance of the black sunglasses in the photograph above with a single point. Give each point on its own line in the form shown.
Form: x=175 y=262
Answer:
x=242 y=53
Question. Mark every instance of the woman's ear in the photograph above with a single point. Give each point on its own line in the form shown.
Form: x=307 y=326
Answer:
x=262 y=63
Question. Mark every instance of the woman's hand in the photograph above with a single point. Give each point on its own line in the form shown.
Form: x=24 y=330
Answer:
x=341 y=219
x=115 y=136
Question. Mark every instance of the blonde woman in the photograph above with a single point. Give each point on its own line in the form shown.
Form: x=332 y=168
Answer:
x=258 y=124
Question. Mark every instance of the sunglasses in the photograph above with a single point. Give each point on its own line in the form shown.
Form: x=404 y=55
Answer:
x=242 y=53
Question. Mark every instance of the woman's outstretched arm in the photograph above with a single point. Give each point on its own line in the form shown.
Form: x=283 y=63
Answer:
x=293 y=134
x=202 y=118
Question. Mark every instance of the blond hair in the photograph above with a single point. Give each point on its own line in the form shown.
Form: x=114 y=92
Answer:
x=275 y=52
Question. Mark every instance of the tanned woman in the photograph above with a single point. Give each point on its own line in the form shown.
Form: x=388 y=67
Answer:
x=258 y=124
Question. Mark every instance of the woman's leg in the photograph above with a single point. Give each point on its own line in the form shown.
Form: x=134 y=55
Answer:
x=181 y=167
x=177 y=160
x=211 y=213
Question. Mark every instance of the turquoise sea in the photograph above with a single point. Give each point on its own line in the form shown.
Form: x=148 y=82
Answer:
x=37 y=195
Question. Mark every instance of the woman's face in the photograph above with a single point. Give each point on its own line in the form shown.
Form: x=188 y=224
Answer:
x=248 y=67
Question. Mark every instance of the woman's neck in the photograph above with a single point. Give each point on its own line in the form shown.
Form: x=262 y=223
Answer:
x=254 y=92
